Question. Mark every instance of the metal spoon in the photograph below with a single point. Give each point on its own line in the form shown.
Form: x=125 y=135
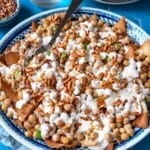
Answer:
x=74 y=4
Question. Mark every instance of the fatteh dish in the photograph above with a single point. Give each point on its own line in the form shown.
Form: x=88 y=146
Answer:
x=89 y=89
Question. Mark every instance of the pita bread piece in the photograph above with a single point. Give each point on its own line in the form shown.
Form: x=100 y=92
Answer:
x=11 y=58
x=10 y=93
x=2 y=59
x=141 y=121
x=121 y=25
x=130 y=53
x=34 y=26
x=25 y=111
x=53 y=144
x=110 y=146
x=145 y=48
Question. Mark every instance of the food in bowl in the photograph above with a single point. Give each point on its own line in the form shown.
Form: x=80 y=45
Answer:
x=8 y=7
x=88 y=90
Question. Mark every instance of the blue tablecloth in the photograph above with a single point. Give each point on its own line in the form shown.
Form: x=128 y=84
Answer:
x=137 y=12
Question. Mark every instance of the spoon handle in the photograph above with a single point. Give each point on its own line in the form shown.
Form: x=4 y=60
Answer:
x=74 y=4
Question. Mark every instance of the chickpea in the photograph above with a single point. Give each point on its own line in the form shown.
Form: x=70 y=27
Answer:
x=28 y=133
x=4 y=107
x=142 y=57
x=116 y=132
x=100 y=23
x=125 y=62
x=93 y=135
x=111 y=120
x=7 y=102
x=80 y=136
x=85 y=17
x=56 y=137
x=143 y=76
x=125 y=120
x=119 y=119
x=128 y=126
x=64 y=139
x=9 y=114
x=37 y=127
x=2 y=97
x=124 y=136
x=66 y=127
x=108 y=137
x=147 y=59
x=119 y=125
x=67 y=26
x=122 y=130
x=67 y=107
x=35 y=134
x=130 y=132
x=112 y=125
x=27 y=125
x=32 y=119
x=70 y=137
x=60 y=123
x=147 y=84
x=81 y=19
x=94 y=22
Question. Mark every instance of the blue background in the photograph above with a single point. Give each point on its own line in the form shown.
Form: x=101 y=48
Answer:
x=138 y=12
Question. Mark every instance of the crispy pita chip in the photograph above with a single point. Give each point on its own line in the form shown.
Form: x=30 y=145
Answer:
x=130 y=53
x=53 y=144
x=10 y=93
x=75 y=143
x=110 y=146
x=11 y=58
x=145 y=48
x=121 y=25
x=25 y=111
x=34 y=26
x=2 y=59
x=141 y=121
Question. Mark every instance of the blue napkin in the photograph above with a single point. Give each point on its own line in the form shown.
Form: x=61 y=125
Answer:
x=4 y=147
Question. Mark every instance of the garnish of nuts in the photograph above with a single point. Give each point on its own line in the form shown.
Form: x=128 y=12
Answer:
x=7 y=8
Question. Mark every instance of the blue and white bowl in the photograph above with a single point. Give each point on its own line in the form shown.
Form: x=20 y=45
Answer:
x=18 y=32
x=8 y=20
x=45 y=3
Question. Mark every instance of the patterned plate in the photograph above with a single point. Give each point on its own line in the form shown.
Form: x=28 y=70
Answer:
x=117 y=2
x=18 y=32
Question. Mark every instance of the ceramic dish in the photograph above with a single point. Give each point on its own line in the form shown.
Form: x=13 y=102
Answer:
x=117 y=2
x=136 y=33
x=7 y=21
x=46 y=3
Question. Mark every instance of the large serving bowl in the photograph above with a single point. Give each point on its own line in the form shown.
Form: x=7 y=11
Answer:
x=10 y=19
x=136 y=33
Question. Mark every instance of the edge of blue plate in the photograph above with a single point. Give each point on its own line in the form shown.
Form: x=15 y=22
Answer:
x=116 y=2
x=16 y=132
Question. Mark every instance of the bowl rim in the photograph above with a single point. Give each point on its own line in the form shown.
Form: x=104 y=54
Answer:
x=117 y=3
x=6 y=19
x=22 y=139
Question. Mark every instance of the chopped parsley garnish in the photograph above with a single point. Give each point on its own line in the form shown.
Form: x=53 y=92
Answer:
x=48 y=52
x=95 y=97
x=17 y=73
x=55 y=28
x=64 y=55
x=85 y=46
x=106 y=58
x=38 y=134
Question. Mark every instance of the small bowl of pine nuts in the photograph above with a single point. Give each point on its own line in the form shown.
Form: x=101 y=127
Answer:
x=9 y=11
